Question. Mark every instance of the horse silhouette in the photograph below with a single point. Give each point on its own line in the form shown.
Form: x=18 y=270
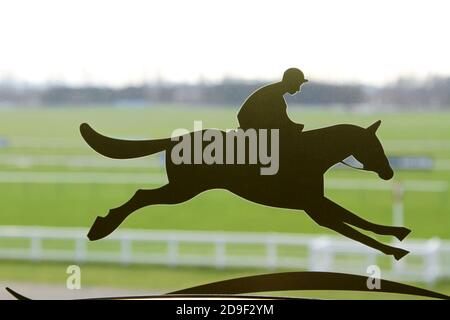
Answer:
x=298 y=184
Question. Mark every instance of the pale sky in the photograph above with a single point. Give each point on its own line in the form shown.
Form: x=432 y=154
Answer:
x=126 y=42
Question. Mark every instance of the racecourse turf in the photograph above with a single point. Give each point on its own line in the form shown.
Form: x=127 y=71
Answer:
x=52 y=133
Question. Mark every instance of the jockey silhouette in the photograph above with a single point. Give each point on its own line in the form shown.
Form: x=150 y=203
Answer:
x=266 y=108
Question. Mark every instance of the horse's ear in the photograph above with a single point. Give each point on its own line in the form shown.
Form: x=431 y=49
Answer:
x=374 y=127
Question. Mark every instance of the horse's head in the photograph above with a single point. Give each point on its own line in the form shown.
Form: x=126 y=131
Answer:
x=371 y=154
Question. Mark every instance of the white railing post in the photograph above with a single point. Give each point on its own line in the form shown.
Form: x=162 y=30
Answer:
x=371 y=258
x=271 y=253
x=220 y=254
x=432 y=268
x=172 y=251
x=80 y=249
x=320 y=257
x=125 y=251
x=35 y=248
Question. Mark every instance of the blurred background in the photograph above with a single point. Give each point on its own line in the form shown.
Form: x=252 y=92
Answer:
x=140 y=69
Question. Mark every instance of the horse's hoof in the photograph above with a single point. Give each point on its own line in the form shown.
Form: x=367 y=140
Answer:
x=400 y=253
x=99 y=229
x=402 y=233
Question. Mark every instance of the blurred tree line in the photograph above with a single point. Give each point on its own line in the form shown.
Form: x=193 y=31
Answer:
x=405 y=93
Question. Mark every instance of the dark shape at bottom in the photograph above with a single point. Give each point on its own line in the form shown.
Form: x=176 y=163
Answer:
x=16 y=295
x=286 y=281
x=308 y=280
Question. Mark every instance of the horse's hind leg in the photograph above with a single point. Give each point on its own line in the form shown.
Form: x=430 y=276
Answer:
x=325 y=218
x=346 y=216
x=103 y=226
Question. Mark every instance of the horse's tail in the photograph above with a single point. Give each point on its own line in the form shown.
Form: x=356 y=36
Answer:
x=121 y=149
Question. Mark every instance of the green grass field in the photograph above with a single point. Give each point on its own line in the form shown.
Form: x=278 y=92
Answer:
x=53 y=132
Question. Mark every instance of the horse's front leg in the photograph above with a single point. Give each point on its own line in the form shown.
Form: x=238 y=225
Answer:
x=325 y=215
x=350 y=218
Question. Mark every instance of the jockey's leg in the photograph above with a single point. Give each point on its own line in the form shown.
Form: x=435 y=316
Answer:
x=103 y=226
x=348 y=217
x=326 y=219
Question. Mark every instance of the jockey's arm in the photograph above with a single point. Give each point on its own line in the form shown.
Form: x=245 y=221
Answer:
x=287 y=122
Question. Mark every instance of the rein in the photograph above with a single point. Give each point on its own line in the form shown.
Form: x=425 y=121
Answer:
x=353 y=167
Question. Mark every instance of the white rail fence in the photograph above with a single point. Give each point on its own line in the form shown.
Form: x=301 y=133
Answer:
x=428 y=261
